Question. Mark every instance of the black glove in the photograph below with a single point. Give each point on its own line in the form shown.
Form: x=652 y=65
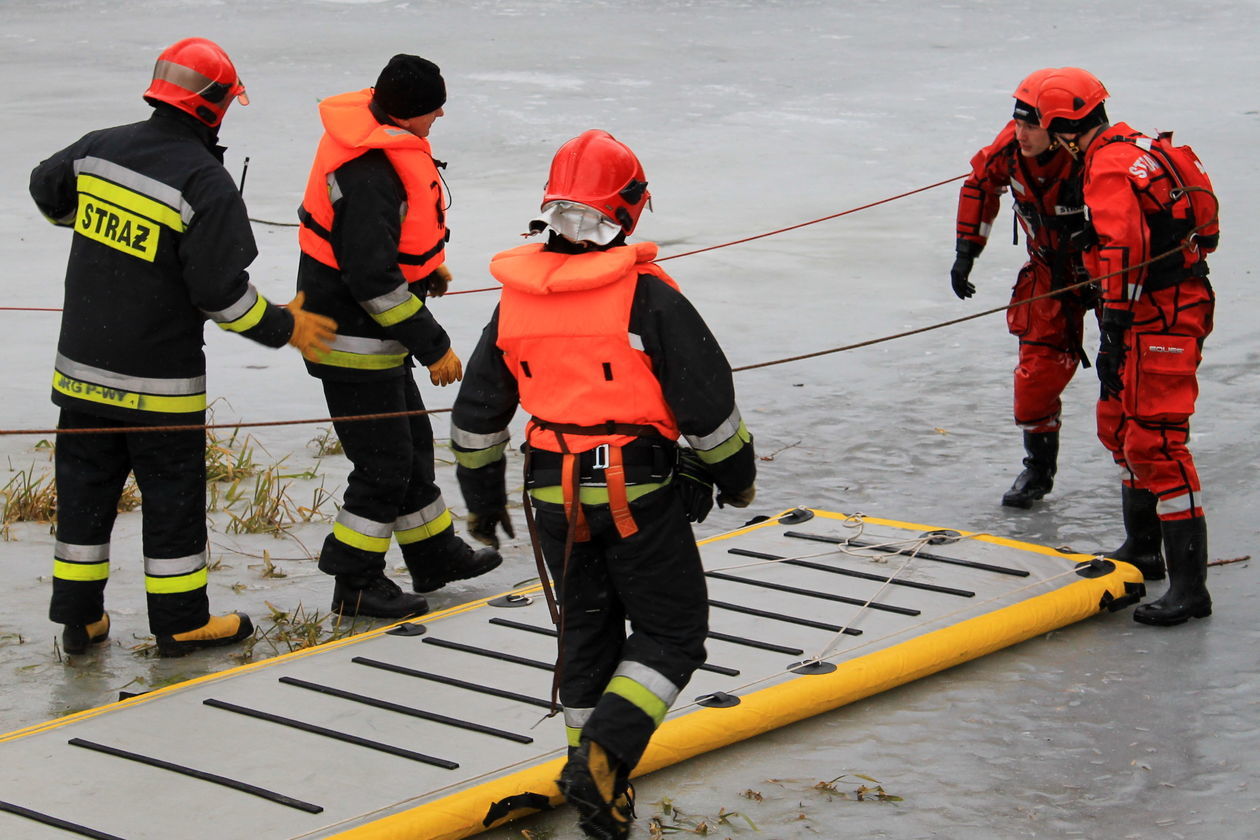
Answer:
x=958 y=275
x=1110 y=362
x=485 y=493
x=481 y=526
x=695 y=485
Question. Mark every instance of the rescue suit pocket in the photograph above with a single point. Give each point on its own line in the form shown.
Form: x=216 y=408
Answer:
x=1030 y=283
x=1164 y=383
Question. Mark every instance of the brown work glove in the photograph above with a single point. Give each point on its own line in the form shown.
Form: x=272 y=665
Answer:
x=438 y=282
x=312 y=332
x=481 y=526
x=742 y=499
x=447 y=369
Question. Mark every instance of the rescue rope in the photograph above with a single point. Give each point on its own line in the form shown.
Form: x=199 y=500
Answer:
x=910 y=547
x=814 y=221
x=1186 y=243
x=866 y=643
x=662 y=259
x=930 y=327
x=192 y=427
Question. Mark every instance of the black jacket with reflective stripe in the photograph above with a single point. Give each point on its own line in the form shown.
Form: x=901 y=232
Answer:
x=367 y=225
x=161 y=243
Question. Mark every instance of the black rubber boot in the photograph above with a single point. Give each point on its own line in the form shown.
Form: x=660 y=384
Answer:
x=1185 y=548
x=1142 y=535
x=1037 y=479
x=594 y=783
x=375 y=597
x=445 y=558
x=77 y=638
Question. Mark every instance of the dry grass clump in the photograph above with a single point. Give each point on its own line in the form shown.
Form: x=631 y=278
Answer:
x=285 y=631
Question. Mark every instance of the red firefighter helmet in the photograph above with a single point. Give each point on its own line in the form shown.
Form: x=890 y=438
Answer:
x=196 y=75
x=1070 y=101
x=1026 y=95
x=599 y=171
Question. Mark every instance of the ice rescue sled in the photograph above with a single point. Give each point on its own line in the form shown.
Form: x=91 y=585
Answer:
x=437 y=727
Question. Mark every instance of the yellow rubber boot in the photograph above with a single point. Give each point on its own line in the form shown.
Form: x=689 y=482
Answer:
x=219 y=630
x=76 y=638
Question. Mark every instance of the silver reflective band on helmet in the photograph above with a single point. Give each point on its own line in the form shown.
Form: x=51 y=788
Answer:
x=194 y=82
x=579 y=222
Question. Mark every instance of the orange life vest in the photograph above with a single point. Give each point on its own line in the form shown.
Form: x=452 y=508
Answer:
x=563 y=330
x=350 y=130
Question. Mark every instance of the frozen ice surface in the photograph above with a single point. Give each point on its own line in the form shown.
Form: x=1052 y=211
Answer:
x=749 y=117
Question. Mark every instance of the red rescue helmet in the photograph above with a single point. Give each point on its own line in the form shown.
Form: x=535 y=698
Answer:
x=599 y=171
x=1070 y=101
x=196 y=75
x=1026 y=96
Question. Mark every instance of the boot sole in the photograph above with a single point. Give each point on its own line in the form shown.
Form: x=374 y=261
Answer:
x=1023 y=503
x=426 y=587
x=1157 y=621
x=595 y=817
x=348 y=611
x=80 y=647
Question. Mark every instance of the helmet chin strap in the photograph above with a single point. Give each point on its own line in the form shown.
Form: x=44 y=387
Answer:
x=1073 y=143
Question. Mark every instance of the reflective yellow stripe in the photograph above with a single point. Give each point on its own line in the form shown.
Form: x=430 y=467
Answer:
x=127 y=399
x=480 y=457
x=573 y=735
x=423 y=532
x=398 y=313
x=131 y=200
x=592 y=495
x=361 y=361
x=64 y=570
x=355 y=539
x=176 y=584
x=250 y=318
x=102 y=222
x=647 y=702
x=728 y=447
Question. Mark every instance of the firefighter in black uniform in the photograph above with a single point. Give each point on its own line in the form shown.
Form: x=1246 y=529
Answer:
x=373 y=238
x=161 y=245
x=613 y=363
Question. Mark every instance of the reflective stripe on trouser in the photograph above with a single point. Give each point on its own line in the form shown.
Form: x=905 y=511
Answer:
x=425 y=523
x=91 y=469
x=654 y=579
x=1049 y=333
x=391 y=477
x=574 y=719
x=1147 y=428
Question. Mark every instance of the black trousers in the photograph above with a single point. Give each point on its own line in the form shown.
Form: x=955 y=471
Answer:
x=621 y=684
x=392 y=464
x=170 y=470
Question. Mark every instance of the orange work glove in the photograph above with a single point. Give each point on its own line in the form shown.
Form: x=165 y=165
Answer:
x=439 y=281
x=447 y=369
x=312 y=332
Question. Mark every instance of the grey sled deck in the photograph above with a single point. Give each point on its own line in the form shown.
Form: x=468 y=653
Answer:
x=377 y=735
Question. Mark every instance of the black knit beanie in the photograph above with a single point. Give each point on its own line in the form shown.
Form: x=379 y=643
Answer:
x=409 y=86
